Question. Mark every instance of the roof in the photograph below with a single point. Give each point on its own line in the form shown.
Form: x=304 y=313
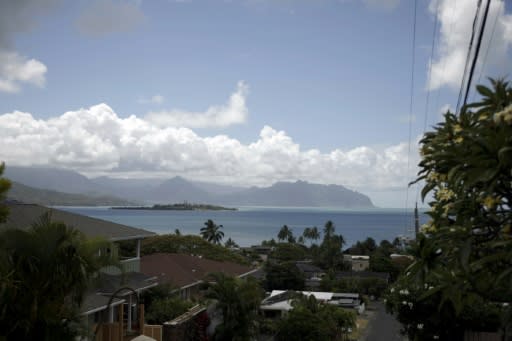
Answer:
x=360 y=257
x=24 y=215
x=281 y=299
x=362 y=274
x=109 y=284
x=308 y=267
x=183 y=270
x=94 y=302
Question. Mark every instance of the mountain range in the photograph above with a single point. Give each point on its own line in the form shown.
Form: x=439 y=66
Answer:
x=59 y=182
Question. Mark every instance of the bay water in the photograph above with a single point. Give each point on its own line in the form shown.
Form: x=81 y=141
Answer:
x=250 y=225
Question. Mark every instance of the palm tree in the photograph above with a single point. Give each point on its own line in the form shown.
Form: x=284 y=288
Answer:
x=285 y=233
x=230 y=243
x=238 y=301
x=328 y=229
x=44 y=273
x=211 y=232
x=311 y=233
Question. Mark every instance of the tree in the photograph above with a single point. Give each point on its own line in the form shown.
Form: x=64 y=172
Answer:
x=310 y=321
x=285 y=276
x=331 y=256
x=463 y=258
x=311 y=233
x=230 y=243
x=211 y=232
x=238 y=301
x=44 y=273
x=4 y=187
x=285 y=233
x=177 y=232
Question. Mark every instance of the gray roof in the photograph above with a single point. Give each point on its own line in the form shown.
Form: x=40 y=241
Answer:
x=362 y=274
x=24 y=215
x=108 y=284
x=94 y=302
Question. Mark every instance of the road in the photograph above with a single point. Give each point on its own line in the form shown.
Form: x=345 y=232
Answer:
x=381 y=325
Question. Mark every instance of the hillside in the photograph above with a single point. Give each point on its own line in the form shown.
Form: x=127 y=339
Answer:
x=107 y=191
x=299 y=194
x=47 y=197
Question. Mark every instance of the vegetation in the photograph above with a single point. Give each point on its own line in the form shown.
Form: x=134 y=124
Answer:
x=310 y=321
x=285 y=276
x=286 y=233
x=461 y=275
x=160 y=306
x=189 y=244
x=44 y=273
x=4 y=187
x=311 y=233
x=184 y=206
x=238 y=301
x=330 y=254
x=211 y=232
x=48 y=197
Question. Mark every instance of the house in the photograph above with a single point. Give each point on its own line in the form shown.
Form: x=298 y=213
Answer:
x=186 y=272
x=357 y=262
x=280 y=301
x=110 y=308
x=362 y=274
x=312 y=274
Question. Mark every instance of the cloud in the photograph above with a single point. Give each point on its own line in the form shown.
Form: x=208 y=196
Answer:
x=109 y=16
x=16 y=69
x=456 y=20
x=156 y=99
x=233 y=112
x=97 y=141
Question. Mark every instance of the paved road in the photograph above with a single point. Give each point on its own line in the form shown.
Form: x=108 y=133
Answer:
x=382 y=326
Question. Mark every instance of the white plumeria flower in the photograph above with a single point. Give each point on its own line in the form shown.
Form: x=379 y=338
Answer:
x=404 y=302
x=420 y=326
x=436 y=337
x=410 y=305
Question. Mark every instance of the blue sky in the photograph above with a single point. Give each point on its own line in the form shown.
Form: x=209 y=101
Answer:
x=247 y=92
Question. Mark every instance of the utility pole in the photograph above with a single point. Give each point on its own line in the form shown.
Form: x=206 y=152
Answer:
x=416 y=221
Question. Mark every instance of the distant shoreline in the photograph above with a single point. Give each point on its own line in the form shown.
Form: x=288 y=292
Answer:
x=177 y=207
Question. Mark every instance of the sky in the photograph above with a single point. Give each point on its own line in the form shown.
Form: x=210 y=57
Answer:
x=242 y=92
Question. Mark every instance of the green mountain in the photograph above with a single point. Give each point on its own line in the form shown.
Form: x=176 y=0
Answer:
x=53 y=198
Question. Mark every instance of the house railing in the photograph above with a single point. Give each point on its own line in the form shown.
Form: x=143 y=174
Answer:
x=153 y=331
x=128 y=265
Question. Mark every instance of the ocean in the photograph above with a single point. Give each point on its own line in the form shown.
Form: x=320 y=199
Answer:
x=250 y=225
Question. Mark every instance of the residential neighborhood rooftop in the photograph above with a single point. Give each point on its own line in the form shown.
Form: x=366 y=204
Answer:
x=181 y=270
x=23 y=215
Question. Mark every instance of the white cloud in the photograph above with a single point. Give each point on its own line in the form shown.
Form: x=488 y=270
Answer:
x=156 y=99
x=98 y=141
x=456 y=20
x=233 y=112
x=110 y=16
x=16 y=69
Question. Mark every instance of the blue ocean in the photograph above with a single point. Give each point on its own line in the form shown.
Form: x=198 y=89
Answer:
x=250 y=225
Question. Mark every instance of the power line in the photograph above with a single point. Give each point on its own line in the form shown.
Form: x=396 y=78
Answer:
x=434 y=36
x=482 y=68
x=468 y=56
x=477 y=50
x=410 y=110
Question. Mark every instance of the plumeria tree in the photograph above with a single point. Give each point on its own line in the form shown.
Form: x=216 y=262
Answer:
x=463 y=258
